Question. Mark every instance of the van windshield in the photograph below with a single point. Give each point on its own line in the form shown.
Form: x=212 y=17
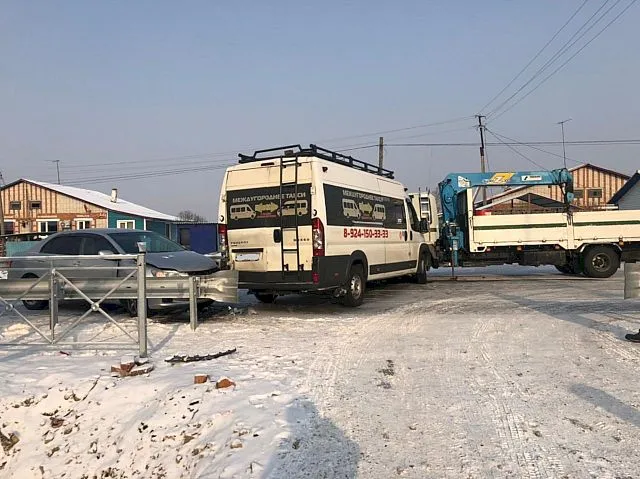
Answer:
x=155 y=242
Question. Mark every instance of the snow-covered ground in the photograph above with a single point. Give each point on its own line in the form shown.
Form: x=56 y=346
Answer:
x=507 y=372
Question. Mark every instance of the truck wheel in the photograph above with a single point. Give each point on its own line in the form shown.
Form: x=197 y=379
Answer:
x=573 y=266
x=601 y=262
x=266 y=297
x=355 y=287
x=423 y=266
x=34 y=305
x=564 y=269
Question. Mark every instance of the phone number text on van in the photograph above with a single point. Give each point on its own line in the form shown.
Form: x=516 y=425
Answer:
x=365 y=233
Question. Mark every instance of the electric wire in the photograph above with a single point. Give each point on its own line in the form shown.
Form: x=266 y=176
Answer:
x=536 y=148
x=516 y=151
x=554 y=72
x=535 y=57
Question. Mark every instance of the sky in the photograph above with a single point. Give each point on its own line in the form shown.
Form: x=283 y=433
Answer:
x=157 y=97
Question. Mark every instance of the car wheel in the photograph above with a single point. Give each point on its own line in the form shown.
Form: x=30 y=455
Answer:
x=34 y=305
x=266 y=297
x=203 y=305
x=601 y=262
x=423 y=267
x=355 y=287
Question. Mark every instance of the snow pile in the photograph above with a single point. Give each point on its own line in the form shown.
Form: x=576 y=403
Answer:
x=71 y=422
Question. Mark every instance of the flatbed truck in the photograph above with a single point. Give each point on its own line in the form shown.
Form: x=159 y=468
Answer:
x=575 y=241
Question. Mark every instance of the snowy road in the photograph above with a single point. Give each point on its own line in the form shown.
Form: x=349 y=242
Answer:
x=506 y=375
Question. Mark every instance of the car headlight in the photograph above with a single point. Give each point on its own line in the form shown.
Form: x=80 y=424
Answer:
x=165 y=273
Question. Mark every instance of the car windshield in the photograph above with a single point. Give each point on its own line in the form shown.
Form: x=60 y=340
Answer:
x=155 y=242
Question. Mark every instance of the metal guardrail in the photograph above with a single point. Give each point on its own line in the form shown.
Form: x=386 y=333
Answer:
x=54 y=285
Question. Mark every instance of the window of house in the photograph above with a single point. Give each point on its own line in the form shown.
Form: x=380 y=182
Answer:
x=184 y=237
x=83 y=224
x=594 y=193
x=65 y=244
x=35 y=205
x=578 y=194
x=9 y=227
x=48 y=226
x=15 y=206
x=126 y=224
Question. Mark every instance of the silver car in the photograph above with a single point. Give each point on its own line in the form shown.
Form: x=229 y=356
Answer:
x=164 y=258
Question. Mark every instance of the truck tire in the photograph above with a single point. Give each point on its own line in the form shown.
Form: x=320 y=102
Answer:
x=355 y=287
x=34 y=305
x=265 y=297
x=565 y=269
x=423 y=267
x=573 y=266
x=600 y=262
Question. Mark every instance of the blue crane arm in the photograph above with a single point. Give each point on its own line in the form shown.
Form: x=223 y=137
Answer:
x=453 y=198
x=456 y=183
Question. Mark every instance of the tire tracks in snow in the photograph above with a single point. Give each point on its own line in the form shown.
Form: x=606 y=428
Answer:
x=535 y=457
x=338 y=354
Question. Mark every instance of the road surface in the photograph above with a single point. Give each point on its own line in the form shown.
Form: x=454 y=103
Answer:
x=497 y=374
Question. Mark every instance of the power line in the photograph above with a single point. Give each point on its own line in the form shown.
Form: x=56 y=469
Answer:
x=555 y=35
x=524 y=143
x=567 y=61
x=568 y=44
x=156 y=160
x=516 y=151
x=127 y=176
x=136 y=168
x=534 y=147
x=226 y=154
x=105 y=179
x=364 y=147
x=530 y=144
x=432 y=133
x=387 y=132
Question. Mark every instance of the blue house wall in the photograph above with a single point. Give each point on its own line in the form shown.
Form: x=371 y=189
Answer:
x=199 y=237
x=165 y=228
x=114 y=216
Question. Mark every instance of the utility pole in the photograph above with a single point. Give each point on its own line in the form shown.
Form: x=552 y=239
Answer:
x=2 y=231
x=380 y=152
x=483 y=167
x=564 y=151
x=57 y=162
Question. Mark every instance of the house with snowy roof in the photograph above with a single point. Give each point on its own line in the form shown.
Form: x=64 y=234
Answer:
x=31 y=206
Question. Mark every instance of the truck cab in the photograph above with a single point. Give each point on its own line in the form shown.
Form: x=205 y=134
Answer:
x=424 y=203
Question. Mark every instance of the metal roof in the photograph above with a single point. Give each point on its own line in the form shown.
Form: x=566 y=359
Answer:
x=100 y=199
